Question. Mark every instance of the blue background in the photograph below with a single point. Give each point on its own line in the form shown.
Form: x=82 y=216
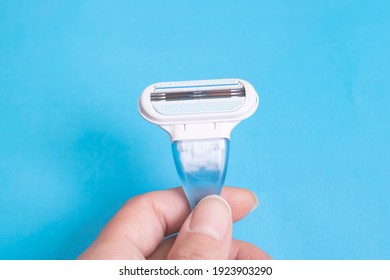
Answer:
x=73 y=147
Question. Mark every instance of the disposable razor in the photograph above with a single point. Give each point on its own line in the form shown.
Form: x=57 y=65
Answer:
x=199 y=117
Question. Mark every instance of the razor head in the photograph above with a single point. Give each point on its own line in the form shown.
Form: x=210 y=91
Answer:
x=198 y=101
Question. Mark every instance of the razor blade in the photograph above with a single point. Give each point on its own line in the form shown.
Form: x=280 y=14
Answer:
x=198 y=109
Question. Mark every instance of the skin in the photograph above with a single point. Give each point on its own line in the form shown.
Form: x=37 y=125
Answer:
x=146 y=227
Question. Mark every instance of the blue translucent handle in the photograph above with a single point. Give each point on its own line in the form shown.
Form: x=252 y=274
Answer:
x=201 y=165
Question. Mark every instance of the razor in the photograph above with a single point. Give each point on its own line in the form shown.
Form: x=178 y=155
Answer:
x=199 y=117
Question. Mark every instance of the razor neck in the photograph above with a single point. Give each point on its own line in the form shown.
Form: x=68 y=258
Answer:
x=192 y=131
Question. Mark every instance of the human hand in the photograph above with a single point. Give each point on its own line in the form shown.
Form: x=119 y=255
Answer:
x=137 y=231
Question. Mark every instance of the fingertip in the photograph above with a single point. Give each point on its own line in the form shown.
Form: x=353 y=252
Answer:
x=207 y=232
x=212 y=216
x=255 y=200
x=242 y=201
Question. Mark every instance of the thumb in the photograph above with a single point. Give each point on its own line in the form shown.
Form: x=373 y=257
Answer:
x=207 y=232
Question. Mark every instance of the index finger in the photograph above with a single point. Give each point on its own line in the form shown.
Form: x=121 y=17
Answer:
x=142 y=223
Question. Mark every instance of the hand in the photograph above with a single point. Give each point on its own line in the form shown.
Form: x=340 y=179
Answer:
x=137 y=231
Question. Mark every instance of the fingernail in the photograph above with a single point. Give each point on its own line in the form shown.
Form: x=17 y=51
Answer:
x=212 y=216
x=255 y=199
